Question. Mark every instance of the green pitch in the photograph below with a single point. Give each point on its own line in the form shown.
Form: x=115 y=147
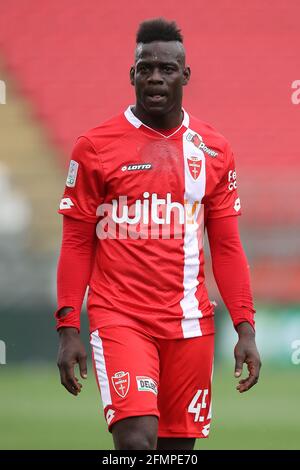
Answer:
x=37 y=413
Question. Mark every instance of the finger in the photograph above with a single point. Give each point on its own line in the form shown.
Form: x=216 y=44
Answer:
x=82 y=366
x=75 y=386
x=243 y=380
x=71 y=382
x=239 y=360
x=251 y=380
x=65 y=383
x=78 y=384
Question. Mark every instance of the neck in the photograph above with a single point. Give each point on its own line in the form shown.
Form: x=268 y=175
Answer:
x=166 y=121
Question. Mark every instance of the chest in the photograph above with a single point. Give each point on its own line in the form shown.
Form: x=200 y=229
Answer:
x=162 y=167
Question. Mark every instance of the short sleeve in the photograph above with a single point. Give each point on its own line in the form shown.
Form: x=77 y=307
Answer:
x=84 y=190
x=224 y=200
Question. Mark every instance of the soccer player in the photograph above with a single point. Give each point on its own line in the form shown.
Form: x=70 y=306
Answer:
x=140 y=190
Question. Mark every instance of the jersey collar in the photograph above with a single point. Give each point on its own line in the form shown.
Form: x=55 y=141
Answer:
x=136 y=122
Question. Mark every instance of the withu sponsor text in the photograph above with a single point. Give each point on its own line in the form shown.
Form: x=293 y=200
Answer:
x=150 y=217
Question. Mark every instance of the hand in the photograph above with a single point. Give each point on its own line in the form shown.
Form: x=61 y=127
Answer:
x=246 y=351
x=70 y=352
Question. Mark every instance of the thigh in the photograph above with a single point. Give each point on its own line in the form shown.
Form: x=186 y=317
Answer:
x=184 y=398
x=126 y=366
x=135 y=433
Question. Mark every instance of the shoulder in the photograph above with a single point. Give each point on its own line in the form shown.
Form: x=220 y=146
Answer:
x=107 y=132
x=210 y=136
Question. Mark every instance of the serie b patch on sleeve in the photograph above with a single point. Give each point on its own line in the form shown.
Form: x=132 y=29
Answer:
x=72 y=174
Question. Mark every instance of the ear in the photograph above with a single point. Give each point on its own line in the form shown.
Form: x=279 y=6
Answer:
x=186 y=75
x=132 y=74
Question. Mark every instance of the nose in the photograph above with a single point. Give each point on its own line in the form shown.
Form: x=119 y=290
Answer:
x=156 y=77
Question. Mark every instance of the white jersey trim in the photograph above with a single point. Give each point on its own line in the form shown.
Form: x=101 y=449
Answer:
x=193 y=239
x=136 y=122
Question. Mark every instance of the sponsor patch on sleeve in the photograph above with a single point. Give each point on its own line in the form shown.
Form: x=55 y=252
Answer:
x=72 y=174
x=146 y=384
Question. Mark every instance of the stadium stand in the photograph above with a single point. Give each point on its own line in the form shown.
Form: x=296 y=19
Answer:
x=71 y=68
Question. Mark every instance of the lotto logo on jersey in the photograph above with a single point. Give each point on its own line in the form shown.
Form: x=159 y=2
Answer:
x=121 y=383
x=237 y=204
x=232 y=180
x=66 y=203
x=138 y=166
x=146 y=384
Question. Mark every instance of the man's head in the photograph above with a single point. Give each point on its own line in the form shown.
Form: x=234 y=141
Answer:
x=159 y=72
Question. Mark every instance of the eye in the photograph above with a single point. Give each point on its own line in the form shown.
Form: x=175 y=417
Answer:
x=168 y=68
x=143 y=68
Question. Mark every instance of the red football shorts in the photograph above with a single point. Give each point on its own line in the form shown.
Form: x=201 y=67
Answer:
x=139 y=375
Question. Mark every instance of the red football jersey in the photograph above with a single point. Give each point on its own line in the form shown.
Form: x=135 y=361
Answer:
x=149 y=195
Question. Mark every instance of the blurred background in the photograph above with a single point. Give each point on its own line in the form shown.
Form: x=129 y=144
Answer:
x=64 y=68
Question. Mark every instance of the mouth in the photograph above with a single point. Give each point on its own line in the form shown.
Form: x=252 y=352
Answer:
x=156 y=98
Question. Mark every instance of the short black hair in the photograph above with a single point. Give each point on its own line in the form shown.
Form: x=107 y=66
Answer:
x=158 y=29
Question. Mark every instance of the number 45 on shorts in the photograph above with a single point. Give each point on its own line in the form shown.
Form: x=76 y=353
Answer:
x=198 y=404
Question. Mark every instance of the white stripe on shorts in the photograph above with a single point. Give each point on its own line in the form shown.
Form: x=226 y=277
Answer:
x=99 y=358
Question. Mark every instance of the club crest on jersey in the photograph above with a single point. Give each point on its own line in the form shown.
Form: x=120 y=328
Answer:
x=194 y=164
x=121 y=383
x=198 y=142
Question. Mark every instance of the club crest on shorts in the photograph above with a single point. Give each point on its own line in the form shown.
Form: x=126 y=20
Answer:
x=121 y=383
x=194 y=164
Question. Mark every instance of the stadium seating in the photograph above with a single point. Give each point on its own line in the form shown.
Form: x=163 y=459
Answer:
x=72 y=65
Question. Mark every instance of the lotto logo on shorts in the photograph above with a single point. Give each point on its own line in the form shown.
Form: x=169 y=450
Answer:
x=146 y=384
x=121 y=383
x=110 y=416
